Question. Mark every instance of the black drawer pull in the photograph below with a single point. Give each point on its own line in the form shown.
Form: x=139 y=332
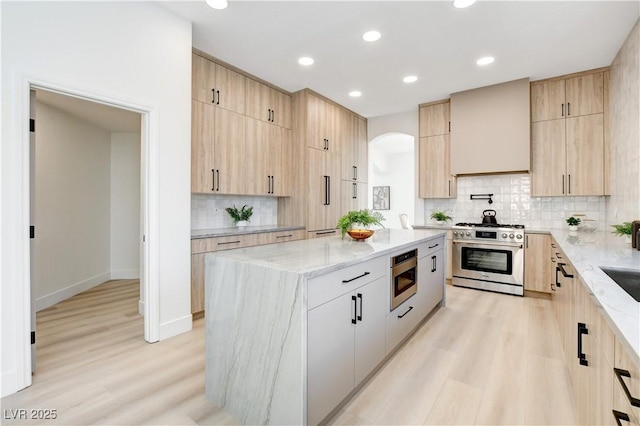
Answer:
x=408 y=310
x=355 y=278
x=582 y=329
x=325 y=232
x=355 y=310
x=618 y=415
x=229 y=242
x=434 y=246
x=564 y=271
x=360 y=315
x=624 y=373
x=285 y=236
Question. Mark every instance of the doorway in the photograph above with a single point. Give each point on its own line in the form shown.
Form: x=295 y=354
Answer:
x=87 y=198
x=392 y=164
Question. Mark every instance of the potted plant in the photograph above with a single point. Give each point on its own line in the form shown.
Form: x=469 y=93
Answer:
x=573 y=223
x=440 y=217
x=358 y=222
x=240 y=216
x=623 y=230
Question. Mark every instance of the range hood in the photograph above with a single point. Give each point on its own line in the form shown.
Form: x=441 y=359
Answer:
x=490 y=129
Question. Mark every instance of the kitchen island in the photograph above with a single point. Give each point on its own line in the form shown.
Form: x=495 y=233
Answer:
x=293 y=329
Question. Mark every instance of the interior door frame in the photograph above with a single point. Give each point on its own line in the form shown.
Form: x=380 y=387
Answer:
x=149 y=211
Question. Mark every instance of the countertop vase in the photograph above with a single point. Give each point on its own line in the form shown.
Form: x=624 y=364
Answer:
x=241 y=223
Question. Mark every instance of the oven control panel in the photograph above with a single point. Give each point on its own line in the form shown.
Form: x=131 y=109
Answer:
x=489 y=234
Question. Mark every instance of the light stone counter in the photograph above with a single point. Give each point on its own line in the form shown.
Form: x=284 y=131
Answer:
x=587 y=251
x=256 y=319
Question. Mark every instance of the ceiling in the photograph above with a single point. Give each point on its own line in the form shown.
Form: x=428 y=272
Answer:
x=103 y=116
x=430 y=39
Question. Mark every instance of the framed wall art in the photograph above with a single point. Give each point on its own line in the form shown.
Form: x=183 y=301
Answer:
x=381 y=198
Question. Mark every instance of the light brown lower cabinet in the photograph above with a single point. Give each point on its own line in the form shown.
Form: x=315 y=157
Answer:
x=200 y=247
x=537 y=268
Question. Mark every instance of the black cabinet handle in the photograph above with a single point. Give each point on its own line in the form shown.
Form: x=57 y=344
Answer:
x=229 y=242
x=360 y=297
x=355 y=191
x=327 y=144
x=355 y=309
x=218 y=101
x=218 y=176
x=355 y=172
x=273 y=115
x=563 y=184
x=449 y=127
x=568 y=109
x=569 y=185
x=285 y=236
x=564 y=272
x=434 y=246
x=213 y=180
x=433 y=264
x=526 y=243
x=326 y=190
x=620 y=373
x=557 y=281
x=563 y=110
x=582 y=329
x=408 y=310
x=269 y=114
x=213 y=96
x=355 y=278
x=619 y=415
x=325 y=232
x=449 y=187
x=273 y=184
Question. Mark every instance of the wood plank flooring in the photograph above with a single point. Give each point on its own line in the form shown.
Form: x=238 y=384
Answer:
x=485 y=359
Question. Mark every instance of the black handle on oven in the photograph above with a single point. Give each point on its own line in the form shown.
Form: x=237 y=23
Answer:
x=582 y=329
x=360 y=297
x=619 y=372
x=619 y=415
x=355 y=278
x=408 y=310
x=355 y=309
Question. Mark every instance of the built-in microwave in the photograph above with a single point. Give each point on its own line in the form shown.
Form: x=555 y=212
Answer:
x=404 y=277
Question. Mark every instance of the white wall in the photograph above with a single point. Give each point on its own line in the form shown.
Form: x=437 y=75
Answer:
x=130 y=53
x=125 y=206
x=398 y=175
x=624 y=182
x=72 y=206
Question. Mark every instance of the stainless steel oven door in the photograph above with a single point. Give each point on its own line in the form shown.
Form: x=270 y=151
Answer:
x=482 y=261
x=404 y=281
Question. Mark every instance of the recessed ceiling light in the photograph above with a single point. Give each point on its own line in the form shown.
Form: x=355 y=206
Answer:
x=218 y=4
x=486 y=60
x=461 y=4
x=305 y=60
x=410 y=79
x=355 y=93
x=371 y=36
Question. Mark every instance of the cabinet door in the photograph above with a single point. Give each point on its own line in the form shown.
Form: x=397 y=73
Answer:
x=230 y=169
x=361 y=151
x=585 y=95
x=202 y=147
x=537 y=274
x=330 y=355
x=258 y=98
x=354 y=196
x=279 y=138
x=230 y=89
x=585 y=155
x=332 y=169
x=548 y=158
x=197 y=283
x=334 y=126
x=256 y=157
x=281 y=106
x=548 y=101
x=316 y=123
x=371 y=302
x=434 y=119
x=434 y=167
x=349 y=148
x=435 y=279
x=203 y=79
x=316 y=190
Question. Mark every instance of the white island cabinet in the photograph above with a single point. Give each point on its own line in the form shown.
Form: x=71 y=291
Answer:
x=293 y=329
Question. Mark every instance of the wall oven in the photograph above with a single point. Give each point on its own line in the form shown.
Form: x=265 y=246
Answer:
x=489 y=259
x=404 y=277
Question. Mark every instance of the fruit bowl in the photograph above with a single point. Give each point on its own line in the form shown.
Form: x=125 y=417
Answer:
x=360 y=234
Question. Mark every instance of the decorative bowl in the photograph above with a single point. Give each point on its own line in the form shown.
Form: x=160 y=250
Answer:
x=360 y=234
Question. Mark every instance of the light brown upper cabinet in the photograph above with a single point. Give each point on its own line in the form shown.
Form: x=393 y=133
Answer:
x=217 y=150
x=267 y=104
x=217 y=85
x=567 y=138
x=434 y=167
x=354 y=148
x=323 y=124
x=571 y=97
x=266 y=158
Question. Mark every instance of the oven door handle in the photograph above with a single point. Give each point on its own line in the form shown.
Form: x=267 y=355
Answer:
x=487 y=243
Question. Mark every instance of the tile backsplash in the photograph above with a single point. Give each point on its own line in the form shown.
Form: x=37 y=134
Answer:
x=208 y=211
x=513 y=203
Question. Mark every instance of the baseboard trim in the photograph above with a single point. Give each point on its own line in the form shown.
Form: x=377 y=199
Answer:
x=67 y=292
x=175 y=327
x=125 y=274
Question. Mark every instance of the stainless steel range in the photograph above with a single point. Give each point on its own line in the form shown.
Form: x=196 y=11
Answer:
x=489 y=256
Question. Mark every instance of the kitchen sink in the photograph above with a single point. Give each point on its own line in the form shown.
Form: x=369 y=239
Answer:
x=628 y=279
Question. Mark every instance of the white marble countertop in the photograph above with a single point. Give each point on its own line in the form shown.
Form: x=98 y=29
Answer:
x=318 y=256
x=226 y=232
x=587 y=251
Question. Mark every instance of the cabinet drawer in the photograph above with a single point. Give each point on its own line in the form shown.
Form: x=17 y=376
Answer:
x=327 y=287
x=430 y=246
x=205 y=245
x=401 y=321
x=282 y=236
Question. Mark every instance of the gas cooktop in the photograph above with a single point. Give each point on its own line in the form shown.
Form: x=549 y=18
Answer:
x=489 y=225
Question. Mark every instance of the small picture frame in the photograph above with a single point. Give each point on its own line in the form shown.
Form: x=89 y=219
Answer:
x=381 y=198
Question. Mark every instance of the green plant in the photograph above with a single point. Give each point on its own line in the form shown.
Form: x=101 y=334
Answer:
x=624 y=229
x=364 y=217
x=440 y=216
x=573 y=221
x=240 y=214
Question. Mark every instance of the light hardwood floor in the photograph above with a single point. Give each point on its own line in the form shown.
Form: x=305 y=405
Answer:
x=485 y=359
